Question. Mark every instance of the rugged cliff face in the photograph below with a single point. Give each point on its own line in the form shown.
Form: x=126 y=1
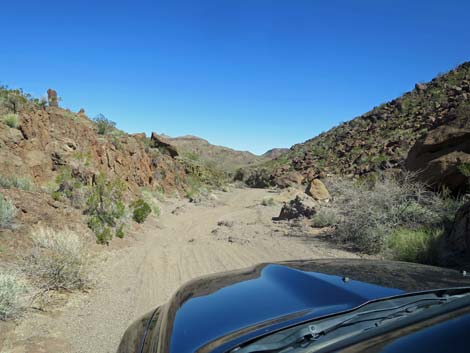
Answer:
x=50 y=138
x=379 y=139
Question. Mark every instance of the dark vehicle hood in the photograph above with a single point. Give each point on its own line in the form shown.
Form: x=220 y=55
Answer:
x=213 y=313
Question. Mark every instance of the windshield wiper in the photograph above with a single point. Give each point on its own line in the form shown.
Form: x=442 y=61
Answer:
x=308 y=334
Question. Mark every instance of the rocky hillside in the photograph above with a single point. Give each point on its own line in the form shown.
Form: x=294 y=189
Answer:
x=61 y=169
x=377 y=140
x=227 y=159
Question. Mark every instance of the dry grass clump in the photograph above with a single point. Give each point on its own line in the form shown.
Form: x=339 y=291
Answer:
x=58 y=260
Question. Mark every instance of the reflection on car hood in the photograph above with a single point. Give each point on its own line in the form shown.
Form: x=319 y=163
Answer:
x=263 y=298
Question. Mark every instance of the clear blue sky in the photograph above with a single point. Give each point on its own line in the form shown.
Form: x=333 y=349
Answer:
x=248 y=74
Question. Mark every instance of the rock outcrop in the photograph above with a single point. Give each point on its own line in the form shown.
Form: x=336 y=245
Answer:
x=161 y=142
x=438 y=158
x=52 y=98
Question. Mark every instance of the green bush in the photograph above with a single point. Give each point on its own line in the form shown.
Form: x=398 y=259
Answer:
x=9 y=182
x=11 y=120
x=7 y=211
x=104 y=125
x=11 y=292
x=141 y=211
x=415 y=245
x=105 y=207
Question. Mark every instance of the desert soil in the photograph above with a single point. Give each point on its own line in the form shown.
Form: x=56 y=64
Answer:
x=232 y=230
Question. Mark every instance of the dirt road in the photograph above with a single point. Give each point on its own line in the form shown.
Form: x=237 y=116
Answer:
x=186 y=241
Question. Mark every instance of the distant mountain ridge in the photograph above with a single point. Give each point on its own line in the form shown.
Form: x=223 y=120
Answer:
x=224 y=157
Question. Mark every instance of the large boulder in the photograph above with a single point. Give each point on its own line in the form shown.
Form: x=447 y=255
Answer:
x=159 y=141
x=459 y=238
x=297 y=208
x=318 y=190
x=439 y=156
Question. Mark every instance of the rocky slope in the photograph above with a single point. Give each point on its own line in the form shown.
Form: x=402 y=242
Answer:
x=225 y=158
x=377 y=140
x=40 y=143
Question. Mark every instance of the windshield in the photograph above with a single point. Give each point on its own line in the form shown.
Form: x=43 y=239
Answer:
x=312 y=336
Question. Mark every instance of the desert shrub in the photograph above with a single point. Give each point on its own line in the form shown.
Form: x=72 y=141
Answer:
x=368 y=212
x=9 y=182
x=152 y=198
x=268 y=202
x=415 y=245
x=104 y=125
x=12 y=290
x=325 y=217
x=141 y=210
x=105 y=207
x=11 y=120
x=58 y=260
x=7 y=211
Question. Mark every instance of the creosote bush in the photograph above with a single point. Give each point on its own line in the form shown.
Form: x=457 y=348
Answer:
x=105 y=207
x=367 y=213
x=7 y=211
x=11 y=120
x=141 y=210
x=104 y=125
x=12 y=290
x=58 y=260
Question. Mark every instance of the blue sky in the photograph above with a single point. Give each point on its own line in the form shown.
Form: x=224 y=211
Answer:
x=248 y=74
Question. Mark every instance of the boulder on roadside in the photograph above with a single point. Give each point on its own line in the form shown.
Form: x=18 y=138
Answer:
x=438 y=158
x=458 y=240
x=318 y=190
x=161 y=142
x=297 y=208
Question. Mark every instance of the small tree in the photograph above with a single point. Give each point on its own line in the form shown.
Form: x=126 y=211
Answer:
x=104 y=125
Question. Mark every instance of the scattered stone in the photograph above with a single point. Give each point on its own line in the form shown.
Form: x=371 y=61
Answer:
x=318 y=190
x=297 y=208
